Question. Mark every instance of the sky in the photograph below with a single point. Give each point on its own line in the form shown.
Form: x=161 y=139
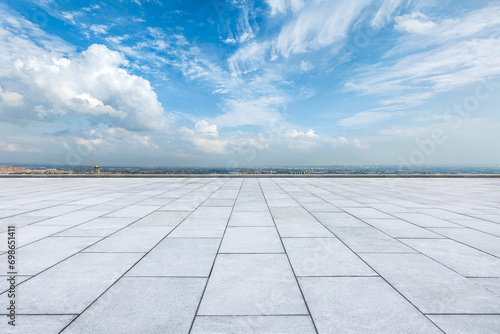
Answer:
x=242 y=83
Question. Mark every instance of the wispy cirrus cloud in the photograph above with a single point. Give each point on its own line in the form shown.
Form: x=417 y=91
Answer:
x=453 y=53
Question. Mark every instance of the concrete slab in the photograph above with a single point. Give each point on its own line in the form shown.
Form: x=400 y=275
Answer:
x=466 y=324
x=252 y=284
x=72 y=285
x=361 y=305
x=191 y=257
x=253 y=324
x=324 y=257
x=143 y=305
x=251 y=240
x=432 y=287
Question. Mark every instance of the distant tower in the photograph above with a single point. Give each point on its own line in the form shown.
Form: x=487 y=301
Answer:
x=97 y=169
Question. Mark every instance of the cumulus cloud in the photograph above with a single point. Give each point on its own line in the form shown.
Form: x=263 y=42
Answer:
x=11 y=99
x=93 y=83
x=204 y=137
x=99 y=29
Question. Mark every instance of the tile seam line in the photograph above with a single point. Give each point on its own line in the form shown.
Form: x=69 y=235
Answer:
x=287 y=257
x=107 y=289
x=215 y=259
x=83 y=250
x=391 y=214
x=72 y=226
x=398 y=239
x=383 y=278
x=73 y=204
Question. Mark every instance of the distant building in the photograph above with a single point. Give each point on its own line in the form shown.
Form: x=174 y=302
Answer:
x=12 y=170
x=97 y=169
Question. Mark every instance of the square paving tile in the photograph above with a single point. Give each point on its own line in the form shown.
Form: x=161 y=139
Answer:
x=143 y=305
x=361 y=305
x=251 y=240
x=252 y=284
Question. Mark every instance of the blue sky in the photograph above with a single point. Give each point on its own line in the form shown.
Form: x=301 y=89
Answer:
x=249 y=83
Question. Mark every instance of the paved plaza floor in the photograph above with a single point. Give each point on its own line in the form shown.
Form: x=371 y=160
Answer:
x=252 y=255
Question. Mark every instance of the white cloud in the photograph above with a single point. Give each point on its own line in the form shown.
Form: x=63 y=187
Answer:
x=306 y=66
x=322 y=23
x=385 y=13
x=93 y=82
x=365 y=118
x=204 y=137
x=305 y=134
x=248 y=58
x=99 y=29
x=9 y=147
x=453 y=54
x=263 y=111
x=282 y=6
x=204 y=128
x=11 y=99
x=416 y=23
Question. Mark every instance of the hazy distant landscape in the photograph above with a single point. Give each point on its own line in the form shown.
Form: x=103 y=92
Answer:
x=361 y=170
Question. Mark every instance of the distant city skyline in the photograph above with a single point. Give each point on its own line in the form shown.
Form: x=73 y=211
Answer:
x=249 y=83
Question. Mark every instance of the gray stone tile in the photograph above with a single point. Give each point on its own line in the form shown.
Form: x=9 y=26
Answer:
x=143 y=305
x=179 y=257
x=302 y=228
x=18 y=221
x=467 y=324
x=163 y=218
x=362 y=213
x=29 y=234
x=72 y=285
x=44 y=253
x=253 y=324
x=492 y=284
x=398 y=228
x=251 y=240
x=432 y=287
x=361 y=305
x=262 y=218
x=252 y=284
x=289 y=212
x=424 y=220
x=36 y=324
x=338 y=219
x=253 y=206
x=201 y=228
x=324 y=257
x=482 y=241
x=99 y=227
x=72 y=218
x=132 y=239
x=369 y=240
x=212 y=212
x=137 y=211
x=228 y=202
x=55 y=210
x=480 y=225
x=465 y=260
